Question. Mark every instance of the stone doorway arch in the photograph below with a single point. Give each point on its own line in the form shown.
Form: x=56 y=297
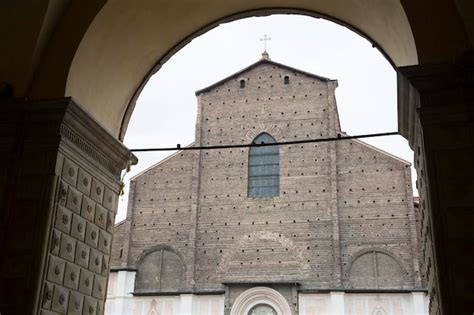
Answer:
x=253 y=297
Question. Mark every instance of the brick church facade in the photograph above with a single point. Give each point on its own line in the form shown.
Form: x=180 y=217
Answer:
x=313 y=228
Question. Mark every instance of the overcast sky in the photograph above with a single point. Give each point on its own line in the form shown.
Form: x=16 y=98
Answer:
x=165 y=113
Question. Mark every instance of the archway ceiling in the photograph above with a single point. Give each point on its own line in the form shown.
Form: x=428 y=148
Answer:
x=129 y=38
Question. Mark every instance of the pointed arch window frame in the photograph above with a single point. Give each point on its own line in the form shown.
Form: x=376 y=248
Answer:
x=263 y=173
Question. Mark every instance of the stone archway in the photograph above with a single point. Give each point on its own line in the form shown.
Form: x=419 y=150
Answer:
x=110 y=91
x=260 y=295
x=78 y=51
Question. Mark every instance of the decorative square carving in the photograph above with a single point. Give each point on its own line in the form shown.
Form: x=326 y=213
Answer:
x=78 y=227
x=71 y=276
x=47 y=295
x=97 y=192
x=105 y=265
x=55 y=242
x=110 y=199
x=82 y=255
x=104 y=241
x=92 y=235
x=86 y=282
x=88 y=209
x=69 y=173
x=84 y=182
x=60 y=299
x=63 y=219
x=73 y=201
x=100 y=216
x=90 y=305
x=100 y=307
x=95 y=261
x=68 y=248
x=110 y=221
x=62 y=193
x=98 y=290
x=56 y=269
x=76 y=301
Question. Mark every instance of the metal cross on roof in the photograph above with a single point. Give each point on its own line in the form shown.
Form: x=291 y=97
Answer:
x=265 y=39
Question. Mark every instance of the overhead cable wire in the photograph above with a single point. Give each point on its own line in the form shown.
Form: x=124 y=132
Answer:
x=282 y=143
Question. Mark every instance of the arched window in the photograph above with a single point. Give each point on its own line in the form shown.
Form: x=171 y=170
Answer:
x=160 y=270
x=264 y=168
x=286 y=79
x=376 y=269
x=242 y=84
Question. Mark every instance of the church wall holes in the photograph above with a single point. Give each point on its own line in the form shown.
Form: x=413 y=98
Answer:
x=227 y=216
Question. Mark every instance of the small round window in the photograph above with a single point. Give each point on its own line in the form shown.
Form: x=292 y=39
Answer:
x=262 y=309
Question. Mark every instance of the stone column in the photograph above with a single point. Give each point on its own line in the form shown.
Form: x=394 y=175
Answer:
x=60 y=185
x=436 y=111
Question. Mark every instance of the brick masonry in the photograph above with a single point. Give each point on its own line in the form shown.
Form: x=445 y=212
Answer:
x=338 y=200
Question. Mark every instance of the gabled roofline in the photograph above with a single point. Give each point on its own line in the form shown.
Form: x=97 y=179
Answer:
x=159 y=162
x=399 y=159
x=120 y=223
x=261 y=61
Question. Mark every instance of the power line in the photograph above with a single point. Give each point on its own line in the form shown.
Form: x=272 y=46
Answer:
x=247 y=145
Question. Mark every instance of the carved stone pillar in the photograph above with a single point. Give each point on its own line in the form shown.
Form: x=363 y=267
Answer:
x=436 y=114
x=60 y=186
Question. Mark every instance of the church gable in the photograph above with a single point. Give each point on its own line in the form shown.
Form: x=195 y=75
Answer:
x=374 y=202
x=179 y=159
x=356 y=153
x=272 y=97
x=235 y=215
x=241 y=79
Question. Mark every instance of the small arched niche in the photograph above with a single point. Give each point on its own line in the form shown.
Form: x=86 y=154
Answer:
x=160 y=270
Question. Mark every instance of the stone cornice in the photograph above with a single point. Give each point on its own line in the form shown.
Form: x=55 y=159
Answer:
x=432 y=85
x=80 y=129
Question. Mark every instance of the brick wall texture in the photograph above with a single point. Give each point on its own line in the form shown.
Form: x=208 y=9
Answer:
x=338 y=202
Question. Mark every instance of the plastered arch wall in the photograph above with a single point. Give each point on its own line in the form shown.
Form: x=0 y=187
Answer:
x=160 y=268
x=380 y=250
x=260 y=295
x=126 y=42
x=296 y=257
x=152 y=249
x=360 y=276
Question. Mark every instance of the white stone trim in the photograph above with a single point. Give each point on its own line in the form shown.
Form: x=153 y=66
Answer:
x=260 y=295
